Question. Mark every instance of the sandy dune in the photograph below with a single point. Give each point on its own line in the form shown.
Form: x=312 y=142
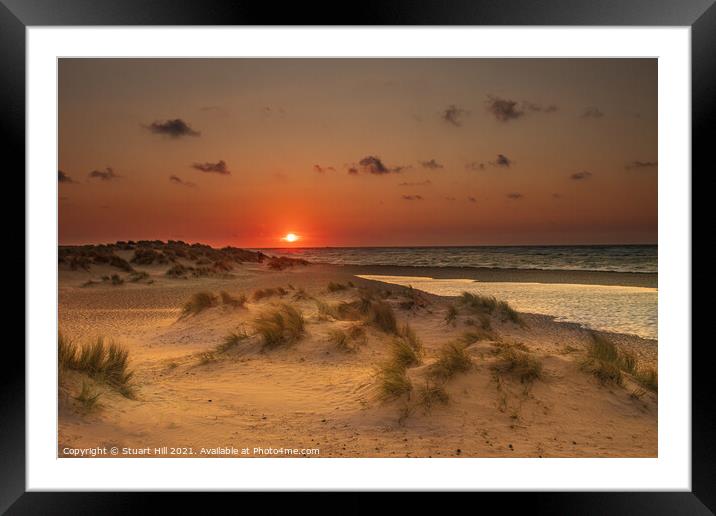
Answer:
x=312 y=395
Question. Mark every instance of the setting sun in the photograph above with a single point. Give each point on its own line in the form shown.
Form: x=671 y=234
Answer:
x=290 y=237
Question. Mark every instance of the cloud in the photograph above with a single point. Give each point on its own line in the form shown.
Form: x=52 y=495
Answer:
x=64 y=178
x=503 y=110
x=179 y=181
x=427 y=182
x=454 y=115
x=502 y=161
x=323 y=170
x=412 y=197
x=471 y=199
x=431 y=164
x=514 y=196
x=449 y=198
x=353 y=171
x=374 y=165
x=592 y=112
x=216 y=168
x=578 y=176
x=173 y=128
x=105 y=175
x=556 y=196
x=475 y=165
x=641 y=164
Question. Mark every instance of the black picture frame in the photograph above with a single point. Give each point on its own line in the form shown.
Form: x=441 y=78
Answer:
x=16 y=15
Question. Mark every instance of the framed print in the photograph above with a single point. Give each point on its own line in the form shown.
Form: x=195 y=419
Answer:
x=426 y=248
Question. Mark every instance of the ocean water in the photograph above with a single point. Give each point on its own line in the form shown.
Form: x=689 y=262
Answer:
x=624 y=258
x=619 y=309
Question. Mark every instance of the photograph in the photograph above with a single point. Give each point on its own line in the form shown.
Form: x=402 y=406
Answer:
x=300 y=257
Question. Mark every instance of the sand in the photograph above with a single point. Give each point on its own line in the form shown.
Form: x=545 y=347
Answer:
x=312 y=396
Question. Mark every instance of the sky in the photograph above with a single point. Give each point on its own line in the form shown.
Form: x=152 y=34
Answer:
x=358 y=152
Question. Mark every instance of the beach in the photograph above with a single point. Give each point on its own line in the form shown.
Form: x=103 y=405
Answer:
x=195 y=396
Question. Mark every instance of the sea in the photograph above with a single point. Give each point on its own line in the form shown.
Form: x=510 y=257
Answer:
x=622 y=309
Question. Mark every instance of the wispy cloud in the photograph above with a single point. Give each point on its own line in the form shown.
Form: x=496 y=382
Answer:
x=454 y=115
x=592 y=112
x=502 y=161
x=449 y=198
x=353 y=171
x=641 y=164
x=105 y=175
x=323 y=170
x=175 y=128
x=64 y=178
x=578 y=176
x=556 y=196
x=427 y=182
x=179 y=181
x=431 y=164
x=412 y=197
x=515 y=196
x=471 y=199
x=216 y=168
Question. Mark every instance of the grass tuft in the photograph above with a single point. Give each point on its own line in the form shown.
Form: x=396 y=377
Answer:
x=451 y=315
x=88 y=398
x=431 y=394
x=336 y=287
x=521 y=364
x=488 y=305
x=198 y=303
x=282 y=326
x=606 y=361
x=381 y=316
x=232 y=340
x=235 y=302
x=452 y=359
x=393 y=381
x=264 y=293
x=104 y=362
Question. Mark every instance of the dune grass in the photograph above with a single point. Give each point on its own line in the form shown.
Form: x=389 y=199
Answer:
x=232 y=340
x=235 y=302
x=451 y=315
x=607 y=362
x=336 y=287
x=108 y=363
x=406 y=348
x=301 y=295
x=488 y=305
x=264 y=293
x=431 y=394
x=198 y=303
x=88 y=398
x=393 y=381
x=381 y=316
x=453 y=358
x=476 y=335
x=521 y=364
x=280 y=327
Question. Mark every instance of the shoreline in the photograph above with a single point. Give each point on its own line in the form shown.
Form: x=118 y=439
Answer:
x=492 y=275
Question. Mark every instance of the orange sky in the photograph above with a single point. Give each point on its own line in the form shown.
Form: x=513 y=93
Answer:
x=358 y=152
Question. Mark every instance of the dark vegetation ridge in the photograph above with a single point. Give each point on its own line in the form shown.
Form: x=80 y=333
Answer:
x=184 y=259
